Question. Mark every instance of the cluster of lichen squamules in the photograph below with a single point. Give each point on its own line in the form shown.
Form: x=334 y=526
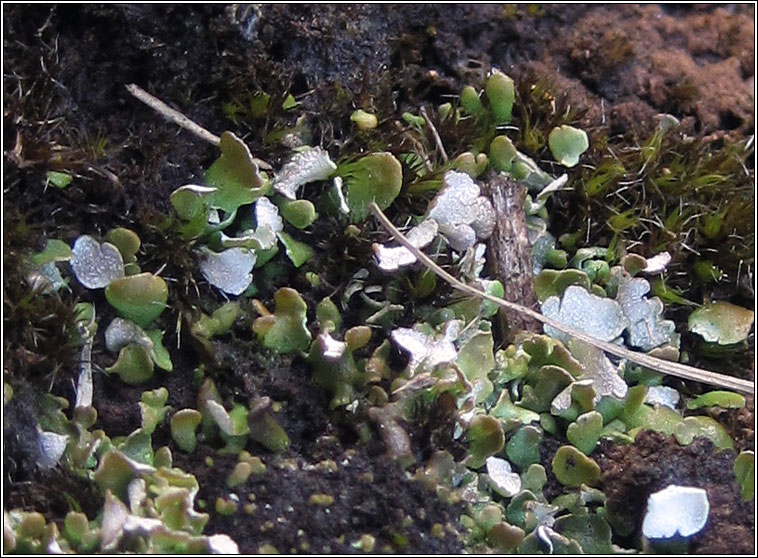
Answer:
x=389 y=340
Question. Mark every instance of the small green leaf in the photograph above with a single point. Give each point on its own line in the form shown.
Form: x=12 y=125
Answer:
x=523 y=449
x=413 y=120
x=139 y=298
x=466 y=162
x=501 y=93
x=134 y=365
x=327 y=311
x=721 y=322
x=217 y=323
x=138 y=446
x=55 y=251
x=299 y=213
x=534 y=478
x=159 y=354
x=59 y=179
x=265 y=430
x=567 y=144
x=364 y=120
x=115 y=472
x=153 y=408
x=470 y=101
x=234 y=175
x=285 y=331
x=505 y=410
x=476 y=359
x=550 y=381
x=289 y=102
x=723 y=399
x=377 y=177
x=485 y=434
x=703 y=427
x=298 y=252
x=334 y=366
x=183 y=426
x=502 y=153
x=515 y=512
x=633 y=404
x=572 y=468
x=126 y=241
x=192 y=206
x=189 y=201
x=591 y=531
x=585 y=432
x=744 y=471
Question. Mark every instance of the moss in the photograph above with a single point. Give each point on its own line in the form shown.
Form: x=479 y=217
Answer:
x=669 y=180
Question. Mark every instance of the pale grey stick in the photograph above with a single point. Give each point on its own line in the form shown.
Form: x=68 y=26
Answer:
x=657 y=364
x=437 y=138
x=174 y=115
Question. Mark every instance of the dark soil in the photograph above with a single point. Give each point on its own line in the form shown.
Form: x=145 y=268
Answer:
x=66 y=108
x=372 y=495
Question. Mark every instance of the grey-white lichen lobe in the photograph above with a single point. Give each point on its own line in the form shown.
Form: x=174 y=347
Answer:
x=461 y=213
x=647 y=329
x=427 y=350
x=121 y=332
x=331 y=349
x=662 y=395
x=606 y=377
x=675 y=510
x=94 y=264
x=307 y=166
x=579 y=309
x=230 y=270
x=50 y=448
x=391 y=259
x=267 y=215
x=502 y=478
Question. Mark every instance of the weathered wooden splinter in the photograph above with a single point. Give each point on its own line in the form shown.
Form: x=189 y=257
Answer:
x=510 y=253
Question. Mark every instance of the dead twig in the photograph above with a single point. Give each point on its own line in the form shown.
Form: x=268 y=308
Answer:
x=437 y=138
x=659 y=365
x=174 y=115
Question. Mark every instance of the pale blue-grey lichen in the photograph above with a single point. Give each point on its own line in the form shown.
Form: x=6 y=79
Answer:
x=230 y=270
x=675 y=510
x=96 y=264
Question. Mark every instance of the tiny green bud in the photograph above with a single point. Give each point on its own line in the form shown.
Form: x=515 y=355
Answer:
x=444 y=110
x=323 y=500
x=225 y=507
x=470 y=101
x=364 y=120
x=501 y=94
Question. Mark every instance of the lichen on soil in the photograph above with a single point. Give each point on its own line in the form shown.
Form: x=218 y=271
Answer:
x=612 y=70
